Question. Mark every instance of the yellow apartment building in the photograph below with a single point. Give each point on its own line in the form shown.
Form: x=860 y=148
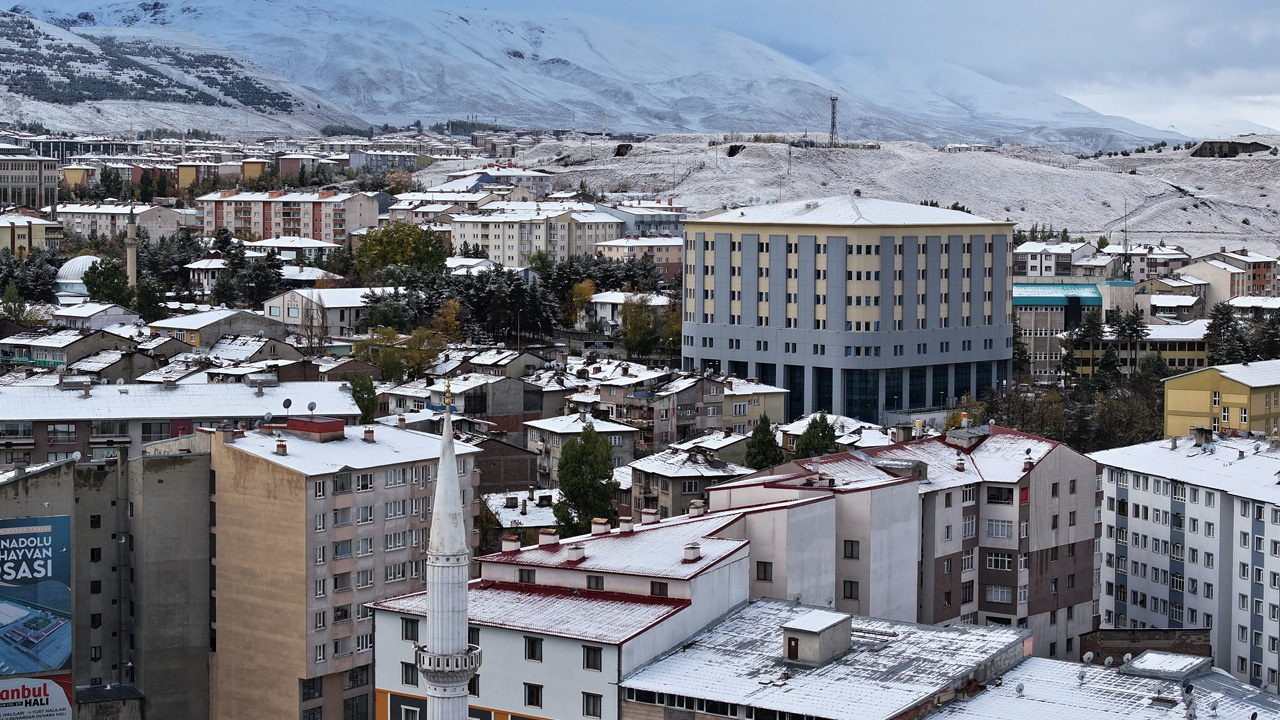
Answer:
x=1225 y=398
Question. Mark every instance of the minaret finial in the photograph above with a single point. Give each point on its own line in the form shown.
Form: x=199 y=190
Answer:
x=448 y=394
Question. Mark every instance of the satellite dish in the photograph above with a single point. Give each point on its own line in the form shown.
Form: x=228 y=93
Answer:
x=288 y=403
x=1019 y=689
x=76 y=456
x=1188 y=689
x=1088 y=657
x=1080 y=676
x=1128 y=657
x=266 y=417
x=311 y=407
x=119 y=381
x=1109 y=662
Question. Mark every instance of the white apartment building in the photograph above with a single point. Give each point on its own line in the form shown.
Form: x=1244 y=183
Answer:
x=511 y=236
x=332 y=312
x=987 y=525
x=1049 y=259
x=324 y=215
x=111 y=218
x=560 y=623
x=1191 y=539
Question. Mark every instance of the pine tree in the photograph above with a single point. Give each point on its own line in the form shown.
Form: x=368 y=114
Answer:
x=586 y=486
x=146 y=187
x=108 y=281
x=12 y=305
x=762 y=447
x=1021 y=356
x=818 y=438
x=1224 y=338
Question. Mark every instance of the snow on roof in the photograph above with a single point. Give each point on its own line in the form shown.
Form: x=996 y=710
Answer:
x=490 y=358
x=286 y=197
x=622 y=476
x=841 y=424
x=13 y=220
x=1256 y=374
x=1224 y=266
x=1253 y=302
x=1175 y=301
x=843 y=210
x=10 y=475
x=893 y=667
x=1183 y=281
x=655 y=550
x=1190 y=330
x=391 y=446
x=738 y=386
x=551 y=380
x=73 y=269
x=295 y=243
x=341 y=297
x=1059 y=248
x=463 y=383
x=676 y=463
x=528 y=511
x=711 y=441
x=1252 y=476
x=195 y=321
x=1053 y=691
x=105 y=209
x=618 y=298
x=300 y=273
x=96 y=362
x=238 y=347
x=594 y=616
x=642 y=242
x=1247 y=256
x=815 y=621
x=1095 y=261
x=574 y=424
x=866 y=435
x=85 y=310
x=147 y=401
x=45 y=338
x=1155 y=662
x=1055 y=293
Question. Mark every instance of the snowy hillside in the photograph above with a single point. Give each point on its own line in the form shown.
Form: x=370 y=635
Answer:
x=114 y=79
x=1199 y=203
x=402 y=60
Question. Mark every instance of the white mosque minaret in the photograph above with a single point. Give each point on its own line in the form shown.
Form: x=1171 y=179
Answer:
x=446 y=659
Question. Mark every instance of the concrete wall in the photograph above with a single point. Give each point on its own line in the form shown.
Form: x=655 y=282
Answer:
x=169 y=500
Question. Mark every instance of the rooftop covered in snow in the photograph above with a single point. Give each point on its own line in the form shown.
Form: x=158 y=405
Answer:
x=843 y=210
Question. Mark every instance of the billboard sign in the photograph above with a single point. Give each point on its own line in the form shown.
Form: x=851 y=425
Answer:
x=35 y=595
x=33 y=699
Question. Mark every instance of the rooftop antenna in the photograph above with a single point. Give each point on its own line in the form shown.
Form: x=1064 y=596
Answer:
x=834 y=136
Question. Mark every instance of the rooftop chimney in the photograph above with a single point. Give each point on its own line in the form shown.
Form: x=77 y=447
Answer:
x=87 y=388
x=692 y=552
x=577 y=552
x=648 y=517
x=400 y=421
x=959 y=463
x=1173 y=443
x=697 y=508
x=511 y=501
x=547 y=536
x=599 y=526
x=524 y=507
x=626 y=524
x=368 y=434
x=281 y=447
x=1028 y=464
x=964 y=419
x=510 y=543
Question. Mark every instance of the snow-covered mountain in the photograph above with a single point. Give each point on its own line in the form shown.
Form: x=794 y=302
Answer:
x=111 y=79
x=400 y=60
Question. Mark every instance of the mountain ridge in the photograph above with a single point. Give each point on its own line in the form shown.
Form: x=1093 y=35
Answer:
x=401 y=61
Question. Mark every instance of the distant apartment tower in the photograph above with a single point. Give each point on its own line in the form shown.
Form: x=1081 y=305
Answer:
x=27 y=178
x=324 y=215
x=855 y=306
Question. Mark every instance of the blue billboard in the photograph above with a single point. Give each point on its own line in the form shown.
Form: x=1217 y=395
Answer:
x=35 y=595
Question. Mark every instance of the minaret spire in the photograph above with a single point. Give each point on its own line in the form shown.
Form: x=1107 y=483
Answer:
x=446 y=659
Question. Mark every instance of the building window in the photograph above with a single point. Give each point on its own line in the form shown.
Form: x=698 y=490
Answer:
x=533 y=649
x=528 y=576
x=312 y=688
x=473 y=686
x=409 y=674
x=764 y=571
x=852 y=549
x=592 y=658
x=595 y=582
x=658 y=589
x=999 y=594
x=409 y=629
x=592 y=705
x=532 y=695
x=851 y=590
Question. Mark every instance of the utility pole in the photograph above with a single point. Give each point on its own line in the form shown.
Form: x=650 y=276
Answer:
x=834 y=136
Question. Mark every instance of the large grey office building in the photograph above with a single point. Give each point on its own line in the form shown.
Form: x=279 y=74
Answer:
x=857 y=306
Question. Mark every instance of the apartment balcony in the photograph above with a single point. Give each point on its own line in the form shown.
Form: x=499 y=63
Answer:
x=109 y=439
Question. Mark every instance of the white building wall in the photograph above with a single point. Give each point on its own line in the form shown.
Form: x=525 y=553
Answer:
x=893 y=558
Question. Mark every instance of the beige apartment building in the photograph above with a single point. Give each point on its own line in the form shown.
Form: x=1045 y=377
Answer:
x=326 y=215
x=512 y=237
x=309 y=523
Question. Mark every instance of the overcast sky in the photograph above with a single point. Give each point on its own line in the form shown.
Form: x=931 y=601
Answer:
x=1183 y=63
